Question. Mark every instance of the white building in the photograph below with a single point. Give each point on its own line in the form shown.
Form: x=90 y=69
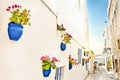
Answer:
x=107 y=48
x=20 y=60
x=113 y=25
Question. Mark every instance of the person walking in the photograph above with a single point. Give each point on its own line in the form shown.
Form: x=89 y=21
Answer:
x=95 y=67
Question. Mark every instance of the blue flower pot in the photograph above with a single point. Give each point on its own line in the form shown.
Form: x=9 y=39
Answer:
x=70 y=66
x=46 y=73
x=63 y=46
x=15 y=31
x=82 y=63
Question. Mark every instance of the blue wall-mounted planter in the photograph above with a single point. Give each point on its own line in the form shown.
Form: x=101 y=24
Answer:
x=46 y=73
x=70 y=66
x=62 y=46
x=83 y=63
x=15 y=31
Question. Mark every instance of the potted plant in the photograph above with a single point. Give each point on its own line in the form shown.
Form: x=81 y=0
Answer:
x=87 y=60
x=72 y=62
x=18 y=18
x=83 y=60
x=47 y=64
x=62 y=46
x=66 y=39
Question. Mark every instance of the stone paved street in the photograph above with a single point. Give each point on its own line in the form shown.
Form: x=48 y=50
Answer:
x=100 y=75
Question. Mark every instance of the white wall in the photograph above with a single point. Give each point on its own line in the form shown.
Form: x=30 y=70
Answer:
x=20 y=60
x=75 y=20
x=78 y=71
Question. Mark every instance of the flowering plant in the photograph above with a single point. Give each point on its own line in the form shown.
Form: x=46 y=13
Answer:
x=72 y=60
x=48 y=62
x=85 y=60
x=19 y=16
x=67 y=38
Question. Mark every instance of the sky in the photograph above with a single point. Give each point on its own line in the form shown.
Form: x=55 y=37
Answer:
x=97 y=15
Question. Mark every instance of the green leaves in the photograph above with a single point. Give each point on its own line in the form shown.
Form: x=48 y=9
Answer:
x=46 y=64
x=19 y=16
x=66 y=39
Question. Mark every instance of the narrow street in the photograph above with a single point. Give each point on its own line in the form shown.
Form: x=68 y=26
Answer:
x=101 y=74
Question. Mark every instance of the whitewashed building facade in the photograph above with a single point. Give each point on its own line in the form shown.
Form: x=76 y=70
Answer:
x=20 y=60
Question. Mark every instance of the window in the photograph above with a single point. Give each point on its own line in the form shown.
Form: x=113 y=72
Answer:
x=116 y=65
x=79 y=56
x=59 y=73
x=105 y=42
x=118 y=41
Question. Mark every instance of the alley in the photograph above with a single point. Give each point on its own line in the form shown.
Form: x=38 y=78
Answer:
x=100 y=75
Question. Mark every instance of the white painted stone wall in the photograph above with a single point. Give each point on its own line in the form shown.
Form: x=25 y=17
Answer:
x=75 y=20
x=113 y=16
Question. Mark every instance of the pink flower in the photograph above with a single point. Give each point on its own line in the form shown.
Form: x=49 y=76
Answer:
x=70 y=36
x=55 y=59
x=7 y=9
x=42 y=58
x=13 y=6
x=46 y=57
x=72 y=60
x=18 y=6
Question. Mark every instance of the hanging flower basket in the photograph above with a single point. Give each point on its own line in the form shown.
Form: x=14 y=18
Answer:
x=70 y=66
x=72 y=62
x=88 y=60
x=67 y=38
x=47 y=64
x=18 y=18
x=83 y=60
x=46 y=73
x=15 y=31
x=62 y=46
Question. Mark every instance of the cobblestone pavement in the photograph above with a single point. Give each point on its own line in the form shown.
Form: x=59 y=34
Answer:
x=100 y=75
